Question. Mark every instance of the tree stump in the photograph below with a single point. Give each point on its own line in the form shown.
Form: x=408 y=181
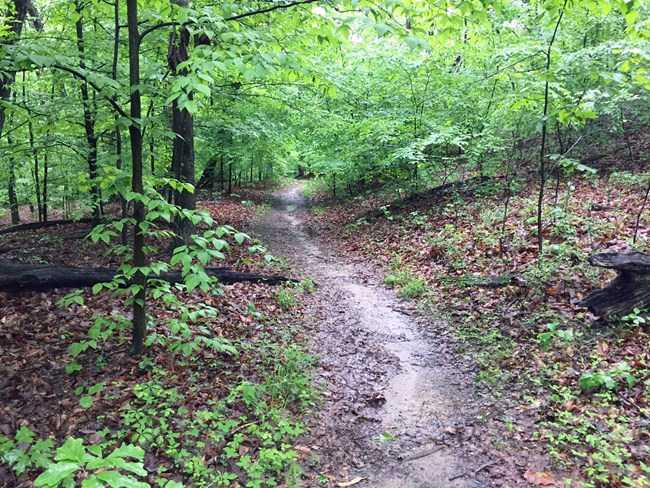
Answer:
x=629 y=290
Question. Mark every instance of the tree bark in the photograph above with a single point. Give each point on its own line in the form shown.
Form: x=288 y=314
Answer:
x=183 y=145
x=118 y=132
x=38 y=277
x=11 y=189
x=135 y=133
x=36 y=170
x=629 y=290
x=14 y=20
x=89 y=119
x=542 y=149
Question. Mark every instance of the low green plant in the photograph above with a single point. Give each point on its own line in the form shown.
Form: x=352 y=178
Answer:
x=408 y=284
x=545 y=339
x=636 y=318
x=74 y=459
x=25 y=452
x=307 y=286
x=447 y=244
x=594 y=381
x=253 y=423
x=87 y=394
x=286 y=298
x=413 y=288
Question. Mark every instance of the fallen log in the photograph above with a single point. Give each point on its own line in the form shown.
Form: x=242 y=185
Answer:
x=497 y=281
x=629 y=290
x=465 y=187
x=38 y=277
x=43 y=225
x=491 y=281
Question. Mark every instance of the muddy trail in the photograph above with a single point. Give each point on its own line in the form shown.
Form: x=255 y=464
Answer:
x=398 y=409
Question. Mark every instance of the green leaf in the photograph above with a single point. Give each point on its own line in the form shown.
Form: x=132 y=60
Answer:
x=128 y=450
x=92 y=482
x=72 y=367
x=590 y=382
x=115 y=479
x=24 y=435
x=72 y=450
x=56 y=473
x=86 y=401
x=240 y=237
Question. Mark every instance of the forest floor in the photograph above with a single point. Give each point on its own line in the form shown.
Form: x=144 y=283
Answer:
x=215 y=403
x=437 y=383
x=566 y=397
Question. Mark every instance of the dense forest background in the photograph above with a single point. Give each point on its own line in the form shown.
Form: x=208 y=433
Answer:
x=457 y=143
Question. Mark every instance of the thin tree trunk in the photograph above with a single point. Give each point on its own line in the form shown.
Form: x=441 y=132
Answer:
x=221 y=175
x=135 y=132
x=640 y=214
x=152 y=155
x=542 y=150
x=183 y=146
x=14 y=23
x=118 y=133
x=46 y=168
x=89 y=121
x=229 y=178
x=11 y=188
x=36 y=170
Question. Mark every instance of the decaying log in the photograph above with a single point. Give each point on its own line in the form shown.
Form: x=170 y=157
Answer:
x=37 y=277
x=629 y=290
x=490 y=281
x=464 y=187
x=42 y=225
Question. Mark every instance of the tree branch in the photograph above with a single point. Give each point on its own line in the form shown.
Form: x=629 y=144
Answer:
x=251 y=13
x=80 y=75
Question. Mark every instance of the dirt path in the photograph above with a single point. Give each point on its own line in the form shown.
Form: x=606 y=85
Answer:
x=396 y=409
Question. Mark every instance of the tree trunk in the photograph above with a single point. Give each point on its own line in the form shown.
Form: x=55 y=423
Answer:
x=183 y=146
x=135 y=132
x=118 y=133
x=11 y=188
x=36 y=169
x=14 y=22
x=221 y=175
x=542 y=149
x=229 y=178
x=89 y=120
x=629 y=290
x=46 y=168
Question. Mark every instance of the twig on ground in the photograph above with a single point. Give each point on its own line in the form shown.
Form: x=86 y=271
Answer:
x=476 y=471
x=425 y=453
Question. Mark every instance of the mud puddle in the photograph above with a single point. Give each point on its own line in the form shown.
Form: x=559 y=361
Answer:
x=397 y=409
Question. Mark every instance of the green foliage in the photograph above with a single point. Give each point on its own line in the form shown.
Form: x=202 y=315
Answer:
x=24 y=452
x=409 y=285
x=114 y=469
x=545 y=339
x=636 y=318
x=607 y=380
x=307 y=285
x=253 y=414
x=286 y=298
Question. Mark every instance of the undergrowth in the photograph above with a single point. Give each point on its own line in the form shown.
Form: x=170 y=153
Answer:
x=587 y=387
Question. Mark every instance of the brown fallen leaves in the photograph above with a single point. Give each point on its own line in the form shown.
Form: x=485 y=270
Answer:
x=450 y=241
